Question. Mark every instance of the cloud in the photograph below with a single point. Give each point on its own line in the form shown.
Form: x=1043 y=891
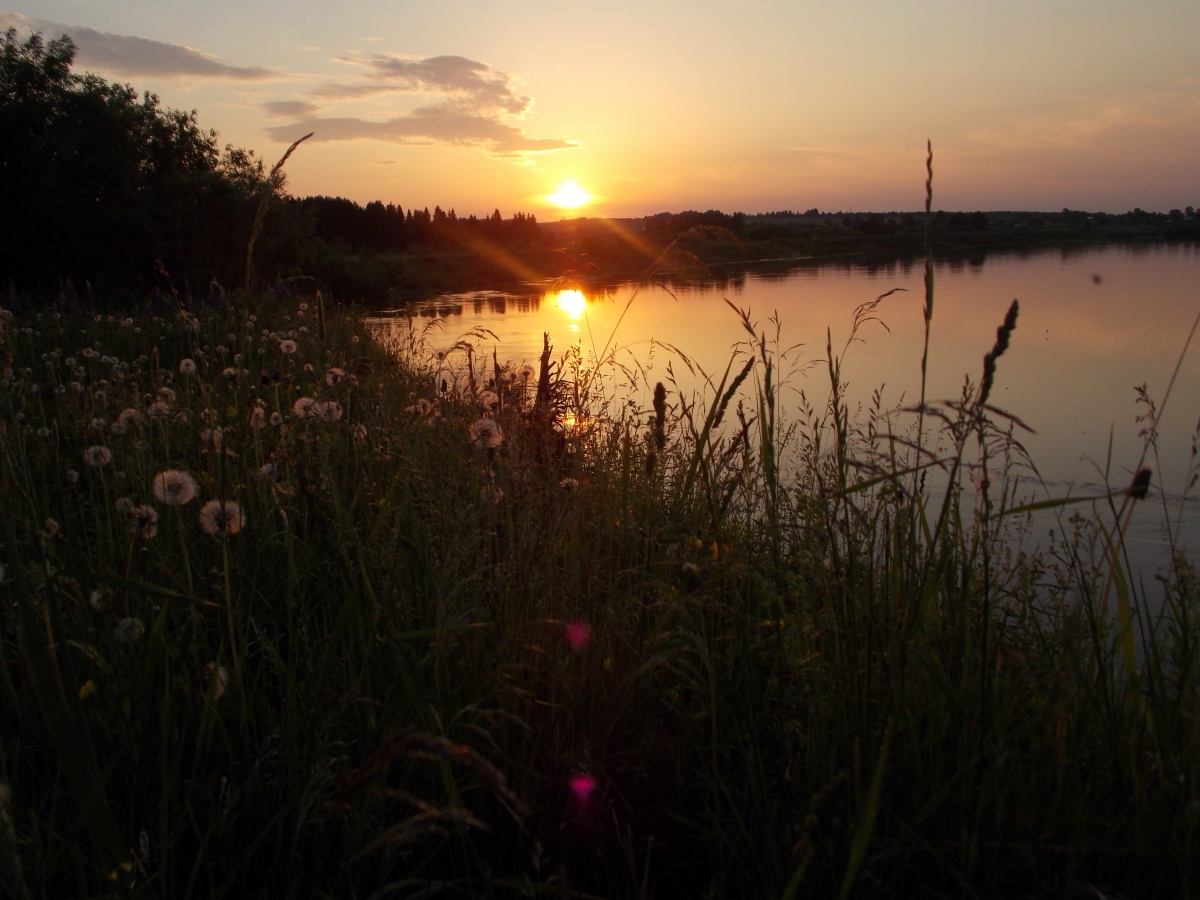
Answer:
x=424 y=126
x=127 y=55
x=470 y=104
x=288 y=109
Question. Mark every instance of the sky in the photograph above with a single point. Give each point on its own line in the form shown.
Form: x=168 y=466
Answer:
x=656 y=105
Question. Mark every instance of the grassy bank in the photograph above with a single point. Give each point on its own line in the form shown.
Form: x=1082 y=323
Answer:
x=289 y=612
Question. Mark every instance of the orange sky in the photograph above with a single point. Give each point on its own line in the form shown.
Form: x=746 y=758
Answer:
x=669 y=106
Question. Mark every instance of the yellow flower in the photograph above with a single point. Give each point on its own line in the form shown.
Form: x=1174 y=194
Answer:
x=87 y=690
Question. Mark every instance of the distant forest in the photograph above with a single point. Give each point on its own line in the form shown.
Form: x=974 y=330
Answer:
x=109 y=197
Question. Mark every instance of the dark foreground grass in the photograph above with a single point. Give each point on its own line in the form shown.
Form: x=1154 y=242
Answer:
x=289 y=612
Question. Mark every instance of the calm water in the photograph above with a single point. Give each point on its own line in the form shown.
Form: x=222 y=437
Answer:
x=1093 y=324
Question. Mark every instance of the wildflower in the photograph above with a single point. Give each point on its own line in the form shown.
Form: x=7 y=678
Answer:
x=359 y=431
x=268 y=472
x=488 y=401
x=187 y=366
x=166 y=394
x=158 y=409
x=43 y=432
x=287 y=346
x=222 y=517
x=328 y=410
x=569 y=484
x=305 y=408
x=129 y=630
x=50 y=529
x=97 y=456
x=334 y=376
x=174 y=487
x=258 y=417
x=214 y=678
x=212 y=438
x=128 y=416
x=275 y=419
x=421 y=409
x=119 y=428
x=87 y=689
x=124 y=504
x=72 y=476
x=145 y=522
x=100 y=600
x=229 y=372
x=486 y=433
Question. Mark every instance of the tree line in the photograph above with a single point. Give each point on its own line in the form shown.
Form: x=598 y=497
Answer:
x=381 y=227
x=108 y=194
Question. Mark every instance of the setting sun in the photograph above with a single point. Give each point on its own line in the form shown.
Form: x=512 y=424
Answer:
x=572 y=302
x=569 y=196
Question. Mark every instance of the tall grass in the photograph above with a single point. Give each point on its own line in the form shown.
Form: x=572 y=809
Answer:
x=480 y=631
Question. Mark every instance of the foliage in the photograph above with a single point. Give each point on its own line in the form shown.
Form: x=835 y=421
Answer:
x=480 y=629
x=103 y=187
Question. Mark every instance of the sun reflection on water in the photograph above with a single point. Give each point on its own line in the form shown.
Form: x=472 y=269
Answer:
x=572 y=302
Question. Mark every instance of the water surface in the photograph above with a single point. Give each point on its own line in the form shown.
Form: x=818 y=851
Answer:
x=1094 y=324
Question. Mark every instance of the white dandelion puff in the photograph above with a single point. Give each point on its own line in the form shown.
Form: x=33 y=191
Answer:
x=486 y=433
x=97 y=456
x=174 y=487
x=222 y=517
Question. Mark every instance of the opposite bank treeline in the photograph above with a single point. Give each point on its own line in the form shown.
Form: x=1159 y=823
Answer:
x=110 y=196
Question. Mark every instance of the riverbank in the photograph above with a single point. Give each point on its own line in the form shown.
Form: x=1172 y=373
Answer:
x=607 y=250
x=286 y=610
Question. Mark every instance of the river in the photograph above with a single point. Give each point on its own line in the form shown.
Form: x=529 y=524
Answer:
x=1094 y=324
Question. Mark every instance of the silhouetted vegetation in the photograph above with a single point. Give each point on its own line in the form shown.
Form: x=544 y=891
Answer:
x=110 y=195
x=103 y=187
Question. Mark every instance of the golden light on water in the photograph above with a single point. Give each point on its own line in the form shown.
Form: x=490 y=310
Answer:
x=572 y=302
x=569 y=196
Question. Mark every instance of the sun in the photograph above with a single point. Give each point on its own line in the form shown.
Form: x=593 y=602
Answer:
x=572 y=302
x=569 y=196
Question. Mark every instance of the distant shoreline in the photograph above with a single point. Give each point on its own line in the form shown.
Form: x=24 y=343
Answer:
x=597 y=251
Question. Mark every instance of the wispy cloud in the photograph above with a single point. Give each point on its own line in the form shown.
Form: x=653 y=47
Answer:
x=289 y=109
x=454 y=100
x=469 y=104
x=421 y=127
x=121 y=54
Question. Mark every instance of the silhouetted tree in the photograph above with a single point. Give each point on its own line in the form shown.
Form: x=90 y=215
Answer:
x=98 y=184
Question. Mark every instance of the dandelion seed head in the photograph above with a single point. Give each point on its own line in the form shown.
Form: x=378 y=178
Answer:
x=305 y=408
x=214 y=678
x=97 y=456
x=222 y=517
x=145 y=522
x=486 y=433
x=129 y=630
x=328 y=410
x=173 y=487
